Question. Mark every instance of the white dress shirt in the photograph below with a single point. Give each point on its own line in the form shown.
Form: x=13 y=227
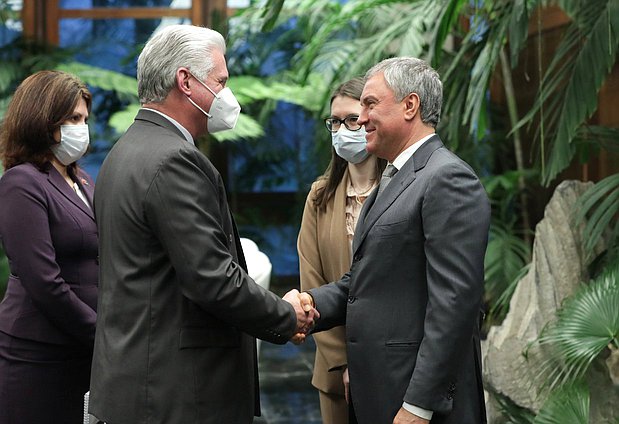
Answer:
x=182 y=129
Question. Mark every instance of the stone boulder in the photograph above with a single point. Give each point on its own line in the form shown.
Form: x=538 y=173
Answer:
x=557 y=268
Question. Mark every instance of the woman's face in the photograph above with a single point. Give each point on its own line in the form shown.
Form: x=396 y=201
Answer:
x=79 y=116
x=344 y=106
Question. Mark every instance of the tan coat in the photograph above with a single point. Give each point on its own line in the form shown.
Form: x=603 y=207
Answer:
x=324 y=256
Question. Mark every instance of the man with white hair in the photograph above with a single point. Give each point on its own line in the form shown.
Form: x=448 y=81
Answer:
x=177 y=313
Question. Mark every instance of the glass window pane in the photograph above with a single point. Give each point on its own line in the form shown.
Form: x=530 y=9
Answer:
x=110 y=43
x=89 y=4
x=10 y=22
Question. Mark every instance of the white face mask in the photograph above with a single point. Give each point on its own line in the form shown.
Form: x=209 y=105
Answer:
x=224 y=111
x=350 y=145
x=74 y=140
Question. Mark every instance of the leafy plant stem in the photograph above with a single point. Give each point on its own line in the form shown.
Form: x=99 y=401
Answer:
x=512 y=109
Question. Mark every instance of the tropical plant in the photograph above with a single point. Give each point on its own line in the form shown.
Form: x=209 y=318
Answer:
x=599 y=207
x=512 y=413
x=586 y=325
x=568 y=405
x=568 y=93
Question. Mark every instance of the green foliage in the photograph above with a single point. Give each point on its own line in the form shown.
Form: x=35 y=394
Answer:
x=246 y=127
x=249 y=89
x=569 y=90
x=568 y=405
x=586 y=324
x=122 y=119
x=600 y=205
x=512 y=413
x=506 y=256
x=125 y=87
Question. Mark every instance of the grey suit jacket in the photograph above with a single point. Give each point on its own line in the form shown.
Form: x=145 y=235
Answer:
x=411 y=299
x=177 y=311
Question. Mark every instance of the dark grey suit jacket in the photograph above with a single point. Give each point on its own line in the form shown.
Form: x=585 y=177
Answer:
x=411 y=299
x=177 y=311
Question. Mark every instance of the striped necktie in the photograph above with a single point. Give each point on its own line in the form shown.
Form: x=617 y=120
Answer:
x=389 y=172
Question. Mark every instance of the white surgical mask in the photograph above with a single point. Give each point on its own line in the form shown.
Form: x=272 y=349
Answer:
x=73 y=144
x=350 y=145
x=224 y=111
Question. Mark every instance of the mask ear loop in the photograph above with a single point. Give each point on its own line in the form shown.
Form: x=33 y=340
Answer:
x=201 y=110
x=208 y=88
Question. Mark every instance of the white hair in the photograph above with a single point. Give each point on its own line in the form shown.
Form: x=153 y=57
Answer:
x=405 y=75
x=167 y=50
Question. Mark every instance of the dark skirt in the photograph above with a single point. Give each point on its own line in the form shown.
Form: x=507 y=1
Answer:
x=41 y=382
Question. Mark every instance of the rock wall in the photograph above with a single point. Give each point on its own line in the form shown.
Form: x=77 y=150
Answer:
x=558 y=266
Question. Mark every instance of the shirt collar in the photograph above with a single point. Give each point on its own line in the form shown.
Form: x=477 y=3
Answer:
x=408 y=152
x=182 y=129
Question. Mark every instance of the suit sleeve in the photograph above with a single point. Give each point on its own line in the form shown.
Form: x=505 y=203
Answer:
x=28 y=243
x=185 y=206
x=312 y=276
x=455 y=214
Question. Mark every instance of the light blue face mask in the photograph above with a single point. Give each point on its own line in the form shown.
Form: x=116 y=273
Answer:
x=73 y=144
x=350 y=145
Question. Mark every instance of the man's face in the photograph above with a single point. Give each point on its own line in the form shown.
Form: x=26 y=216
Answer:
x=383 y=118
x=215 y=80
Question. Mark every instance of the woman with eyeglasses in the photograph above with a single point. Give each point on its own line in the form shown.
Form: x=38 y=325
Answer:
x=327 y=229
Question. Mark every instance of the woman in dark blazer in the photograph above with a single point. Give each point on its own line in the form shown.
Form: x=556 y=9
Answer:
x=47 y=228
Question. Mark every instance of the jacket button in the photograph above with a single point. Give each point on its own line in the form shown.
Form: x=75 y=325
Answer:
x=357 y=258
x=351 y=299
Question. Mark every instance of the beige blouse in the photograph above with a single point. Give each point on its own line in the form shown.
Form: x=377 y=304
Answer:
x=354 y=203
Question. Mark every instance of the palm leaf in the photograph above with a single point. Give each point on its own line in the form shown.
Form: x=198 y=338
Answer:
x=246 y=127
x=519 y=27
x=121 y=120
x=446 y=21
x=568 y=405
x=511 y=412
x=347 y=18
x=586 y=323
x=249 y=89
x=601 y=204
x=506 y=255
x=580 y=65
x=272 y=9
x=125 y=87
x=605 y=137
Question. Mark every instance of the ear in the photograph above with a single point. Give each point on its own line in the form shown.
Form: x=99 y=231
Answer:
x=182 y=81
x=411 y=106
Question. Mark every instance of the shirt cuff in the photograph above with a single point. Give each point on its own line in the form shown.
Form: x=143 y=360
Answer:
x=420 y=412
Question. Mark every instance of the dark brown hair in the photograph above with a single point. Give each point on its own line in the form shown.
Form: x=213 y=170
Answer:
x=337 y=166
x=41 y=103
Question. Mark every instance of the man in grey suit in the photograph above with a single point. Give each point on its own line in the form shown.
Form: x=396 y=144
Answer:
x=411 y=300
x=178 y=314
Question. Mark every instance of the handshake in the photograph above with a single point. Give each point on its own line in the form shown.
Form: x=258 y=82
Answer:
x=307 y=314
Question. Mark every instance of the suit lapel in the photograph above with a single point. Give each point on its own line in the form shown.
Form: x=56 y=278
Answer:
x=373 y=210
x=61 y=185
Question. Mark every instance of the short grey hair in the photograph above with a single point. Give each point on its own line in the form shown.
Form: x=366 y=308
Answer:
x=405 y=75
x=169 y=49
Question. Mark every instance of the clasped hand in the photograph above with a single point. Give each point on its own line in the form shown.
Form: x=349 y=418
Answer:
x=306 y=313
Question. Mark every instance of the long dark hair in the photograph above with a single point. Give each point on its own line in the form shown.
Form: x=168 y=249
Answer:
x=41 y=103
x=337 y=166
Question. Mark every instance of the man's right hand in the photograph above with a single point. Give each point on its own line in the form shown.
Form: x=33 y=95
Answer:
x=306 y=313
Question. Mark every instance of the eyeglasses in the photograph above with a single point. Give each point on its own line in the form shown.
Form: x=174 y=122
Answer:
x=350 y=122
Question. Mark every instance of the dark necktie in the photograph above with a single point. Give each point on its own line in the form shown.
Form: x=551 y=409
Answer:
x=389 y=172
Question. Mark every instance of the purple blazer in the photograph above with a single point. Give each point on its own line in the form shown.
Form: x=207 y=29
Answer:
x=50 y=238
